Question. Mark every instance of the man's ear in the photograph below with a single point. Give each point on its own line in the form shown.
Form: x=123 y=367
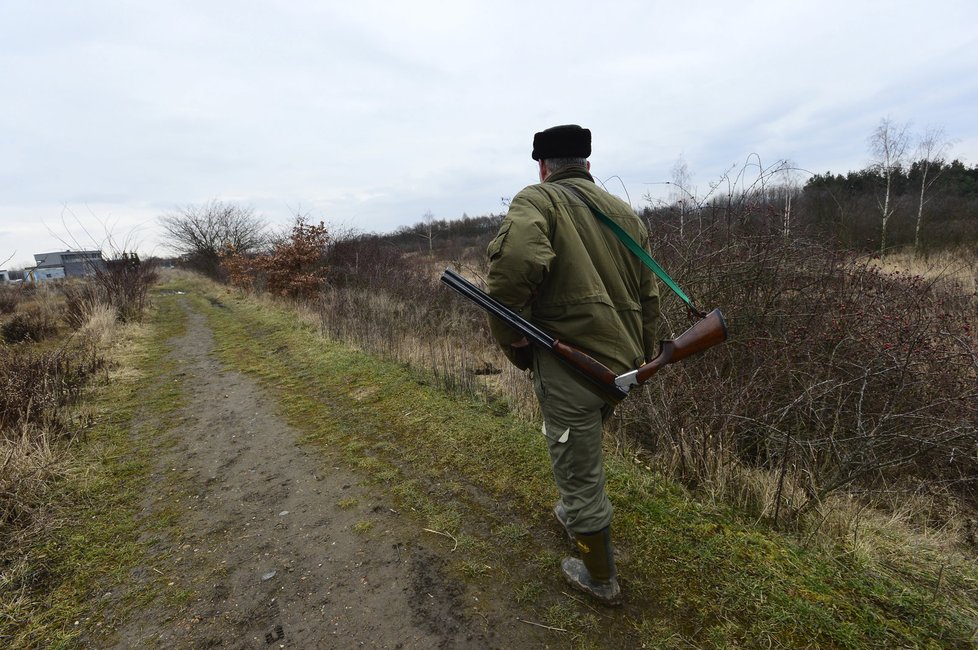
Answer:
x=543 y=171
x=588 y=165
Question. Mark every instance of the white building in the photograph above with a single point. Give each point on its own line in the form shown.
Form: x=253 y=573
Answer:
x=64 y=264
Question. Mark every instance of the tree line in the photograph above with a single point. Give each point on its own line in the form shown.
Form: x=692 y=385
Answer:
x=847 y=207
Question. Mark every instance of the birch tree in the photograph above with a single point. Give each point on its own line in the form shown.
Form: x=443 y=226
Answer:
x=931 y=154
x=789 y=186
x=427 y=228
x=681 y=178
x=888 y=145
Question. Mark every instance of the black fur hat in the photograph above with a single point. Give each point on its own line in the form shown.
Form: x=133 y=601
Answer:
x=566 y=141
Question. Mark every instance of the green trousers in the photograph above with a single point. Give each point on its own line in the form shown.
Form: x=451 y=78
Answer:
x=573 y=424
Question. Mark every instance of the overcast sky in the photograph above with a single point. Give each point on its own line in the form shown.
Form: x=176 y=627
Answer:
x=368 y=114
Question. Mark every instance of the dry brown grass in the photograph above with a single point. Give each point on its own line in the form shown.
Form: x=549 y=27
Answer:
x=100 y=325
x=958 y=269
x=29 y=466
x=44 y=410
x=37 y=316
x=10 y=297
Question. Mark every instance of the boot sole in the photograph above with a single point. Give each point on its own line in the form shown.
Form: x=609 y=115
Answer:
x=614 y=601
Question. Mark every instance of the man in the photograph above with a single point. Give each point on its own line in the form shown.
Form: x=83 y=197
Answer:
x=569 y=274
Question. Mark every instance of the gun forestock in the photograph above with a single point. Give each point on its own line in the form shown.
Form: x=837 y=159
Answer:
x=586 y=364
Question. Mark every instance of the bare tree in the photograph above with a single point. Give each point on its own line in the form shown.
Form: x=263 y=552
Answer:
x=931 y=152
x=427 y=227
x=789 y=188
x=201 y=232
x=888 y=144
x=681 y=196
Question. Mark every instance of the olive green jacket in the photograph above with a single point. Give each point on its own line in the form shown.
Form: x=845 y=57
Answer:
x=568 y=273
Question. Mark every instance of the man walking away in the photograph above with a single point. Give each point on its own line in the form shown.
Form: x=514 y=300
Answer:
x=561 y=268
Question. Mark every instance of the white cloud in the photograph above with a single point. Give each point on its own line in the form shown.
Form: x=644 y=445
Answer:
x=374 y=112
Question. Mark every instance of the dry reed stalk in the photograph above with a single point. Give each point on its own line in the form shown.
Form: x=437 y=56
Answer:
x=31 y=464
x=100 y=324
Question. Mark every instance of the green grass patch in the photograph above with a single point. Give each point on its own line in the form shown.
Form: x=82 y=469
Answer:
x=362 y=527
x=693 y=575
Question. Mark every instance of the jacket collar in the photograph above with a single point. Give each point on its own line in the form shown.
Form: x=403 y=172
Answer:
x=569 y=172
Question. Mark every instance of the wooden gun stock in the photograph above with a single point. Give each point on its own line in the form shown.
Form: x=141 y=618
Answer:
x=709 y=331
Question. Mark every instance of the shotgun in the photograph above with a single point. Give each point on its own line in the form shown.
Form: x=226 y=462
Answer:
x=709 y=331
x=595 y=372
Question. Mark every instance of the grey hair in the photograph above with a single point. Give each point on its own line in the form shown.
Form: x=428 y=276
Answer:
x=556 y=164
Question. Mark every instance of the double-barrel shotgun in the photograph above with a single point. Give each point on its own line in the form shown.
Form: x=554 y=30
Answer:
x=707 y=332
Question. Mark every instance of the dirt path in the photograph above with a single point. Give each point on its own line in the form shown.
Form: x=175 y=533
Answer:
x=283 y=548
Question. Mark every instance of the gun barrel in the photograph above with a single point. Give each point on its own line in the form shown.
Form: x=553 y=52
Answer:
x=533 y=333
x=597 y=374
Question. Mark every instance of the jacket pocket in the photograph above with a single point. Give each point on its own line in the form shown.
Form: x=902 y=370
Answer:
x=496 y=245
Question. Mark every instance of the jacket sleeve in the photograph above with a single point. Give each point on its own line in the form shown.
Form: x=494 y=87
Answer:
x=519 y=258
x=650 y=309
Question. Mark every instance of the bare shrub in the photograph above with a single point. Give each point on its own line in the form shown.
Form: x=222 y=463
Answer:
x=838 y=376
x=35 y=384
x=367 y=261
x=397 y=308
x=35 y=323
x=9 y=299
x=200 y=232
x=124 y=284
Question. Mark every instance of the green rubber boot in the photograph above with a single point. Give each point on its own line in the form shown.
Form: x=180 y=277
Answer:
x=594 y=573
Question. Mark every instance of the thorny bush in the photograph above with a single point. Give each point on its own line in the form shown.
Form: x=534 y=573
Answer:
x=124 y=284
x=836 y=375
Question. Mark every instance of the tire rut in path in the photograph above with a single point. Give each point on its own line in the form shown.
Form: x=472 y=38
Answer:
x=268 y=541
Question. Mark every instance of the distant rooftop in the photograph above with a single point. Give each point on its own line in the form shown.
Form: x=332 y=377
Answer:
x=60 y=258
